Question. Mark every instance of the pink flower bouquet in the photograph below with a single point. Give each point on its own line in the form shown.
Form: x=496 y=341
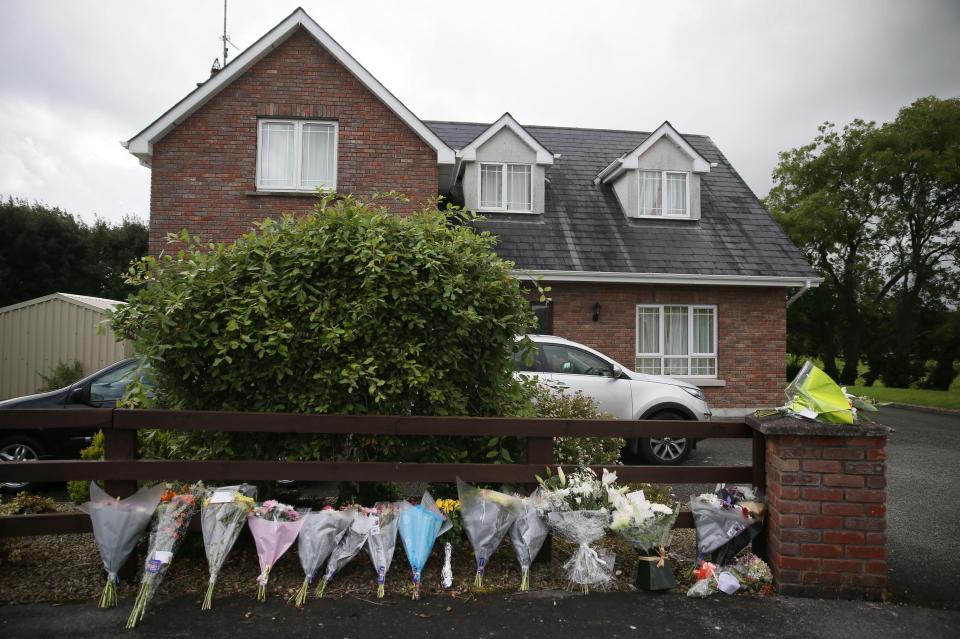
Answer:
x=275 y=527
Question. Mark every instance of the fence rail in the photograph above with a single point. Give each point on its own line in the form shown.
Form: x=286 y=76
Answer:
x=121 y=469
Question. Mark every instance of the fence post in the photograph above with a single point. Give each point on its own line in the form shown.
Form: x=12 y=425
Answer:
x=121 y=445
x=826 y=507
x=540 y=451
x=759 y=464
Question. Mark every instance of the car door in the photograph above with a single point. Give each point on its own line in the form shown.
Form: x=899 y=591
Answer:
x=574 y=369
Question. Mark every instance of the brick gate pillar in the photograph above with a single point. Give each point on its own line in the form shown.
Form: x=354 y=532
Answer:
x=826 y=507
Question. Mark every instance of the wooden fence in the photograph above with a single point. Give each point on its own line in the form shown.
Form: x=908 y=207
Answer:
x=121 y=468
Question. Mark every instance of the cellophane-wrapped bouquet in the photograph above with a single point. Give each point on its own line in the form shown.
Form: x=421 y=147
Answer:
x=275 y=527
x=646 y=525
x=176 y=509
x=487 y=517
x=382 y=540
x=223 y=515
x=321 y=532
x=527 y=535
x=419 y=528
x=577 y=508
x=117 y=525
x=350 y=544
x=726 y=520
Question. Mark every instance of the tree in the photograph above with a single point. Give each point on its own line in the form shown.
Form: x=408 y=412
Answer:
x=877 y=212
x=44 y=250
x=831 y=212
x=347 y=310
x=916 y=169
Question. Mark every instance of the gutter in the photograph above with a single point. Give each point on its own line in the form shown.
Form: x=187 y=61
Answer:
x=806 y=287
x=691 y=279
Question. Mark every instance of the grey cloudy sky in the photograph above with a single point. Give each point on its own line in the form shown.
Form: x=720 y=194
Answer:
x=758 y=77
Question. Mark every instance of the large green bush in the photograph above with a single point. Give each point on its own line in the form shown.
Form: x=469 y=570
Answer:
x=348 y=310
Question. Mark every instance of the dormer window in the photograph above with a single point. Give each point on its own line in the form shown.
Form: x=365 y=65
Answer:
x=653 y=186
x=506 y=187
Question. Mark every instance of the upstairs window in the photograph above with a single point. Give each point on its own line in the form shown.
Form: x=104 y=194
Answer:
x=506 y=187
x=296 y=155
x=677 y=340
x=664 y=194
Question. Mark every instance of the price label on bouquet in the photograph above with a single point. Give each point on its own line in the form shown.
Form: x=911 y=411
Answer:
x=163 y=556
x=734 y=528
x=153 y=566
x=375 y=527
x=222 y=497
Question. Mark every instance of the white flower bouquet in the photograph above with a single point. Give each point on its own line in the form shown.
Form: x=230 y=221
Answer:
x=578 y=509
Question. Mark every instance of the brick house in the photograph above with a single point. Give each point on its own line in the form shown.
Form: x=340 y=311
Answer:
x=656 y=251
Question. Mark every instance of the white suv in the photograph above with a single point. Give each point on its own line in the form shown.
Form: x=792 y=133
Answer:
x=573 y=367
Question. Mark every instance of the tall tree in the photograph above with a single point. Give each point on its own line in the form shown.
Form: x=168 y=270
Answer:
x=916 y=168
x=44 y=250
x=877 y=211
x=828 y=208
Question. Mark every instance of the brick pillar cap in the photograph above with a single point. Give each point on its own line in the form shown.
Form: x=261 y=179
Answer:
x=789 y=425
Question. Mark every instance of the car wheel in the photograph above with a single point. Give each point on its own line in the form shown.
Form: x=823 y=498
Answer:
x=18 y=449
x=665 y=451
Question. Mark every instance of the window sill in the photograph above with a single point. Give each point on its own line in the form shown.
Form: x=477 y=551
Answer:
x=507 y=212
x=281 y=194
x=661 y=217
x=702 y=381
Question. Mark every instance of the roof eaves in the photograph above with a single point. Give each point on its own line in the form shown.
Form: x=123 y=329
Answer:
x=141 y=144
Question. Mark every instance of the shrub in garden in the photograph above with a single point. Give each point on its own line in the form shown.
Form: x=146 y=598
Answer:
x=27 y=504
x=79 y=490
x=576 y=451
x=61 y=375
x=348 y=309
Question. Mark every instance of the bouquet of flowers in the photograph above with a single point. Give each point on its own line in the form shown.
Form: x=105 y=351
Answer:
x=117 y=525
x=382 y=539
x=726 y=520
x=747 y=571
x=173 y=516
x=487 y=517
x=320 y=534
x=275 y=527
x=451 y=510
x=419 y=528
x=646 y=526
x=350 y=544
x=527 y=535
x=577 y=509
x=222 y=516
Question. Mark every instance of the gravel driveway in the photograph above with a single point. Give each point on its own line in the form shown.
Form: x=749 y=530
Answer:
x=923 y=501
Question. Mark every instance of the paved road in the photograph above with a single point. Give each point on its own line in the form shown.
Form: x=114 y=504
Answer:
x=537 y=615
x=923 y=501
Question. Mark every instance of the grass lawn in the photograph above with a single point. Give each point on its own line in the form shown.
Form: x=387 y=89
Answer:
x=940 y=399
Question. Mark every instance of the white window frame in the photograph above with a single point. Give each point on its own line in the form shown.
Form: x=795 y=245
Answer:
x=298 y=144
x=503 y=187
x=663 y=196
x=691 y=354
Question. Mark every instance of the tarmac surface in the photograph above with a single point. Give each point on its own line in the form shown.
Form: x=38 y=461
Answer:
x=541 y=614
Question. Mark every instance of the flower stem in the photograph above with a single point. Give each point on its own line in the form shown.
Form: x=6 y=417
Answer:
x=108 y=598
x=302 y=593
x=525 y=580
x=139 y=605
x=208 y=599
x=322 y=588
x=478 y=580
x=381 y=591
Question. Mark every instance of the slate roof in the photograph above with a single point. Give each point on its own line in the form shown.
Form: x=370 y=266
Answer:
x=583 y=227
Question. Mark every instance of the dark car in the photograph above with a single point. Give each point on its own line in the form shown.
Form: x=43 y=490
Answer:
x=99 y=390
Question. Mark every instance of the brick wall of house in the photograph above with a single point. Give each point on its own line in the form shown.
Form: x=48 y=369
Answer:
x=204 y=170
x=751 y=326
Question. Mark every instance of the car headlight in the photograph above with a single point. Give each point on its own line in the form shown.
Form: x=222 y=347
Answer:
x=696 y=392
